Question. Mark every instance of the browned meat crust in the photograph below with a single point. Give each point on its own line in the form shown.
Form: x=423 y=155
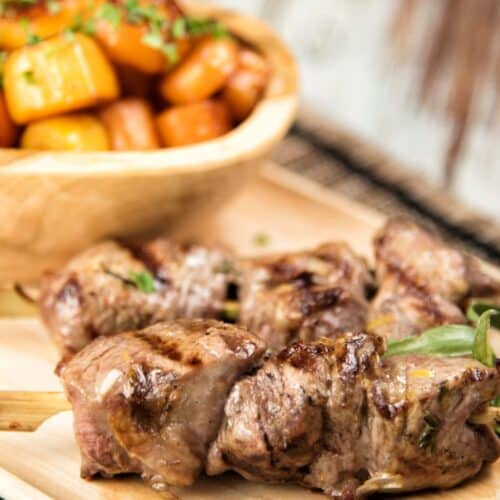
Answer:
x=423 y=259
x=423 y=281
x=284 y=298
x=399 y=310
x=151 y=401
x=174 y=399
x=93 y=295
x=304 y=295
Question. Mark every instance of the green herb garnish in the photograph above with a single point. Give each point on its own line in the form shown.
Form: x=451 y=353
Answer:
x=231 y=311
x=261 y=239
x=79 y=24
x=179 y=28
x=431 y=426
x=155 y=40
x=29 y=76
x=225 y=267
x=496 y=403
x=31 y=38
x=450 y=341
x=9 y=7
x=143 y=280
x=111 y=13
x=198 y=27
x=159 y=26
x=53 y=6
x=446 y=340
x=477 y=308
x=481 y=349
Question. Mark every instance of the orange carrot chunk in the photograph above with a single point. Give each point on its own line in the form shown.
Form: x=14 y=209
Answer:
x=246 y=85
x=203 y=72
x=130 y=125
x=22 y=22
x=192 y=123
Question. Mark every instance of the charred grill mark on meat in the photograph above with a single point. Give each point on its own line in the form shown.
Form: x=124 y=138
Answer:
x=282 y=299
x=304 y=295
x=331 y=415
x=142 y=405
x=422 y=281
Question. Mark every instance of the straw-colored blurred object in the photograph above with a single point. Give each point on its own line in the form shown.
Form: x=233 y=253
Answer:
x=13 y=304
x=461 y=55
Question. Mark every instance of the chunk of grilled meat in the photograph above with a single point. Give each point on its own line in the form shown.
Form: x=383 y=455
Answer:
x=400 y=309
x=420 y=429
x=174 y=399
x=151 y=401
x=423 y=281
x=94 y=294
x=304 y=295
x=422 y=258
x=332 y=416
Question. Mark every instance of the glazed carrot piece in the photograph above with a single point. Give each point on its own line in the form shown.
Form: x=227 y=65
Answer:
x=22 y=24
x=58 y=75
x=123 y=45
x=126 y=42
x=77 y=132
x=192 y=123
x=130 y=125
x=203 y=72
x=246 y=85
x=8 y=130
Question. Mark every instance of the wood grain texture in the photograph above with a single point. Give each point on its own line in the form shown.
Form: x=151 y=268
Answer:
x=295 y=214
x=56 y=203
x=25 y=411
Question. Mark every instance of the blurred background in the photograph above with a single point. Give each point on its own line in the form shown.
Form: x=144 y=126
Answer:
x=417 y=79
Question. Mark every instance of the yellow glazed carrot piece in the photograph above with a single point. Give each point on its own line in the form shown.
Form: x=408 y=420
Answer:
x=77 y=132
x=61 y=74
x=130 y=125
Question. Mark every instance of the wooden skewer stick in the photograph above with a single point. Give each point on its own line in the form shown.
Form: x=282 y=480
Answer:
x=26 y=411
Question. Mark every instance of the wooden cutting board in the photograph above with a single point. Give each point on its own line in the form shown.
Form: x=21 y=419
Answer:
x=293 y=214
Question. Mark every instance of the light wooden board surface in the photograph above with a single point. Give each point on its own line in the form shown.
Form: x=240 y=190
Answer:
x=294 y=214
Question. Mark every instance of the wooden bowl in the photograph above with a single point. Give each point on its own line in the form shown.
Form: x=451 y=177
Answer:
x=53 y=204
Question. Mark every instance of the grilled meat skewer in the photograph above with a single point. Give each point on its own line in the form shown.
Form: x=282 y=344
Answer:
x=303 y=295
x=422 y=280
x=177 y=399
x=283 y=298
